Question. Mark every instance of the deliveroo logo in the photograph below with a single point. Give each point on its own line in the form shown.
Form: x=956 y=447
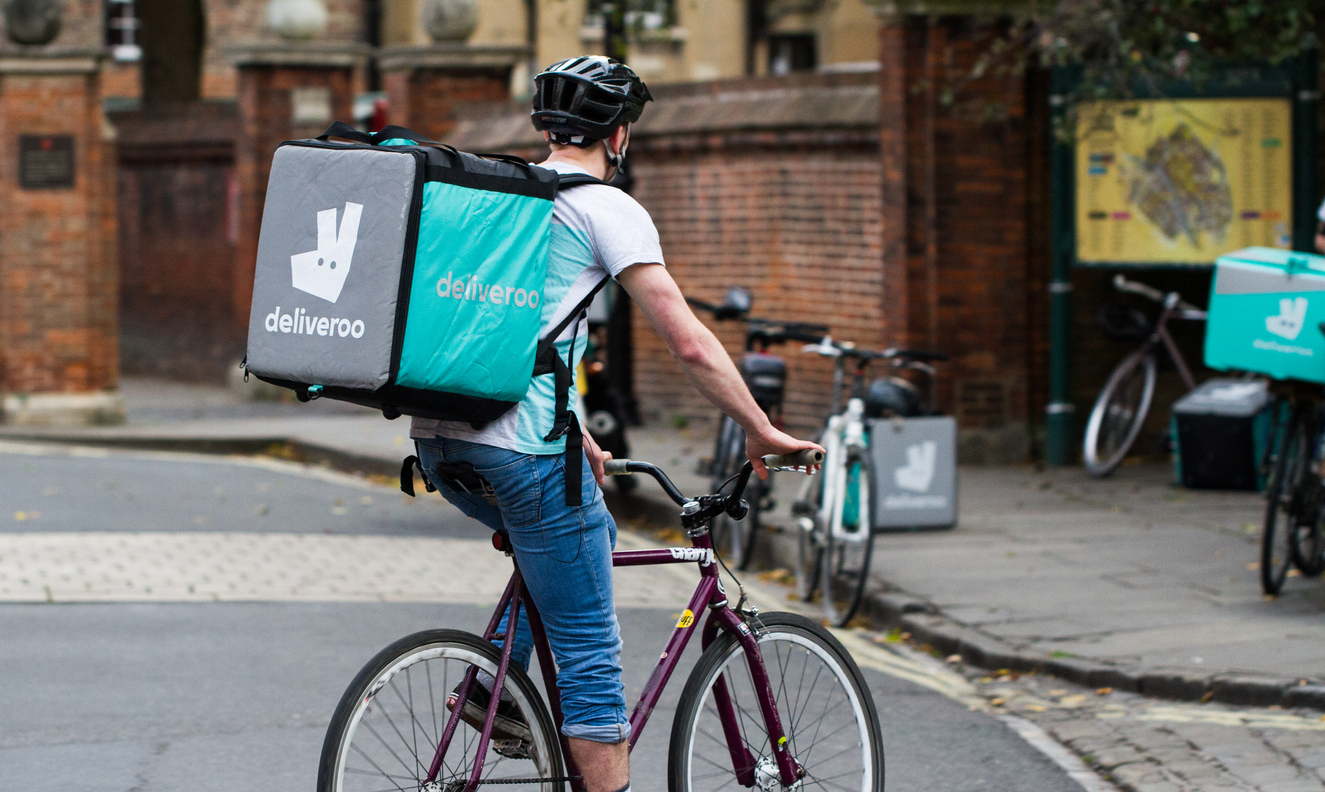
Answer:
x=918 y=472
x=322 y=272
x=1292 y=316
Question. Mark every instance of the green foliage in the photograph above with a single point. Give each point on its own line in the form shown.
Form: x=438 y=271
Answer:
x=1122 y=44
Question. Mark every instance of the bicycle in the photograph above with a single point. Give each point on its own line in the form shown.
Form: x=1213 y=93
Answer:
x=1124 y=403
x=835 y=540
x=1294 y=491
x=765 y=375
x=730 y=723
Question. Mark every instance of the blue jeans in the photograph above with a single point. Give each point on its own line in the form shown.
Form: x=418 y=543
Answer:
x=565 y=555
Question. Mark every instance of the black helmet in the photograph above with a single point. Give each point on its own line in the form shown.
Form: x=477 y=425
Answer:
x=892 y=396
x=582 y=100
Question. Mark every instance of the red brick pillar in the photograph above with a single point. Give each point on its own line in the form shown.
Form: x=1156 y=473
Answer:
x=426 y=85
x=286 y=91
x=59 y=353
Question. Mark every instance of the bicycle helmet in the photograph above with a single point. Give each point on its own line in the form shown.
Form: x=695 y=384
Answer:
x=582 y=100
x=892 y=396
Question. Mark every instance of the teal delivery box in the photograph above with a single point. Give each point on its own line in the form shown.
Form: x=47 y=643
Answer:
x=1266 y=308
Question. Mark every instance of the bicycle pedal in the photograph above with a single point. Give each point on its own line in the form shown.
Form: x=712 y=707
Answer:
x=513 y=749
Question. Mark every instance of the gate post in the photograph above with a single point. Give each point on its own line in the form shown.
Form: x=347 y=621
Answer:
x=59 y=351
x=287 y=91
x=426 y=84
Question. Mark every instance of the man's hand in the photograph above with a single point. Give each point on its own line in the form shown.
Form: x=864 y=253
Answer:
x=597 y=457
x=775 y=442
x=1320 y=243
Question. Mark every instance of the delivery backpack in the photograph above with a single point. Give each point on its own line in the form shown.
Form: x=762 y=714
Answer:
x=409 y=278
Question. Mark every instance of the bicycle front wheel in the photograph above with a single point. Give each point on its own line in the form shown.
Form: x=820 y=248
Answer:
x=386 y=730
x=1119 y=413
x=827 y=713
x=847 y=550
x=1285 y=502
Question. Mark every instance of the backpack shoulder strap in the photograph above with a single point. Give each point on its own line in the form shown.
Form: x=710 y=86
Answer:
x=566 y=181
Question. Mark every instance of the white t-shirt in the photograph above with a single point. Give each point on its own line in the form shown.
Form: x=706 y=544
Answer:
x=597 y=231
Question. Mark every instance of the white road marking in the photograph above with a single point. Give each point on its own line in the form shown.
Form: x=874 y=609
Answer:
x=256 y=462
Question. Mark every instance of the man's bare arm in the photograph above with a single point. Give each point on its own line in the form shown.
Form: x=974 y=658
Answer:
x=705 y=363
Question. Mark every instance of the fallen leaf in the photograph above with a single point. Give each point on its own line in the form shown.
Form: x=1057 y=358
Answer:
x=339 y=510
x=1254 y=565
x=1059 y=692
x=1035 y=708
x=1104 y=691
x=261 y=509
x=998 y=702
x=1073 y=700
x=954 y=658
x=20 y=516
x=1294 y=573
x=366 y=500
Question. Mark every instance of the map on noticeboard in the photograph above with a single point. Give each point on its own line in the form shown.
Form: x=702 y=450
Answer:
x=1182 y=181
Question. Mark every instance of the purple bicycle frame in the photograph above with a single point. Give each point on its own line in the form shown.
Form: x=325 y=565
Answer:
x=708 y=593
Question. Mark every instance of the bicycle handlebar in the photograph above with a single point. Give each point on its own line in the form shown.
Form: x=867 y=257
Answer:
x=830 y=348
x=1151 y=293
x=800 y=459
x=769 y=329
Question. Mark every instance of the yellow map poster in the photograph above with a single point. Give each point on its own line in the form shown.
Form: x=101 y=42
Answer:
x=1182 y=181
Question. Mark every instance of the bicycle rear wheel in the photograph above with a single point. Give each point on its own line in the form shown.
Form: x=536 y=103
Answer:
x=735 y=538
x=1119 y=413
x=389 y=723
x=826 y=709
x=1284 y=496
x=846 y=556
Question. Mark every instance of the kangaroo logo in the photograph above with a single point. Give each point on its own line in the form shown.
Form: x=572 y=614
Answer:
x=918 y=472
x=1292 y=316
x=322 y=272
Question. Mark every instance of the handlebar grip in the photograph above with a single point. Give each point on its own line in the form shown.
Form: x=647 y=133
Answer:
x=616 y=467
x=806 y=458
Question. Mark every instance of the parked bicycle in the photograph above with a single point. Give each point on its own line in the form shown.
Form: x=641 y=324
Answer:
x=1294 y=492
x=765 y=374
x=774 y=702
x=835 y=540
x=1124 y=403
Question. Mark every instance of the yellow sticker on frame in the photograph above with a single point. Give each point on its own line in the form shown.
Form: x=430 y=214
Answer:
x=687 y=619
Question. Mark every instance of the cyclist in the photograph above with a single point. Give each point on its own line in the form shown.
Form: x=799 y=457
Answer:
x=517 y=483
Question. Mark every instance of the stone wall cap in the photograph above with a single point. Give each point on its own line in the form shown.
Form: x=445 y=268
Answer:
x=50 y=61
x=889 y=9
x=324 y=54
x=836 y=102
x=450 y=54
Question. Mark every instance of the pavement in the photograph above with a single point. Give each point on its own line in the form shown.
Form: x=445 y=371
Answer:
x=1130 y=585
x=1128 y=582
x=184 y=621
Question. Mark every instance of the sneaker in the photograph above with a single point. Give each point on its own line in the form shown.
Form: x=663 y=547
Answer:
x=509 y=722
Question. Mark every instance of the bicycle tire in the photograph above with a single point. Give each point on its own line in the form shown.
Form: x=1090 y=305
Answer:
x=735 y=538
x=1283 y=501
x=791 y=646
x=809 y=542
x=846 y=562
x=1116 y=419
x=1309 y=548
x=352 y=719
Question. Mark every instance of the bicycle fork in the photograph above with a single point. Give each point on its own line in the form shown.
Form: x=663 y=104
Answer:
x=788 y=771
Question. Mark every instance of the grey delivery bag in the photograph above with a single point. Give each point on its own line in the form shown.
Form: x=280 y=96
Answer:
x=355 y=234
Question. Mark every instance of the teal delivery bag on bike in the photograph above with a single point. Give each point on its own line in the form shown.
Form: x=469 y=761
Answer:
x=404 y=277
x=1266 y=310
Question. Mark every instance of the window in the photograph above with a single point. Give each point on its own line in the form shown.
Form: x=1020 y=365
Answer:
x=122 y=30
x=641 y=15
x=791 y=52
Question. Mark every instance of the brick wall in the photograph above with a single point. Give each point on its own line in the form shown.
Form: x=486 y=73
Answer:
x=427 y=100
x=795 y=223
x=57 y=265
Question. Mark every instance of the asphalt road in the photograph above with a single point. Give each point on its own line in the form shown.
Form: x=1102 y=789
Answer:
x=201 y=696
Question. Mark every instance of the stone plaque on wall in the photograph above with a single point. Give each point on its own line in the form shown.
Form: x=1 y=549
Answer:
x=46 y=162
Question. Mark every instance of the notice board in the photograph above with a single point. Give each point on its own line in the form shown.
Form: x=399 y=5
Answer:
x=1182 y=181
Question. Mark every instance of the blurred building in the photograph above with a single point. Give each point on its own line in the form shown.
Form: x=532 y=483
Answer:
x=670 y=40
